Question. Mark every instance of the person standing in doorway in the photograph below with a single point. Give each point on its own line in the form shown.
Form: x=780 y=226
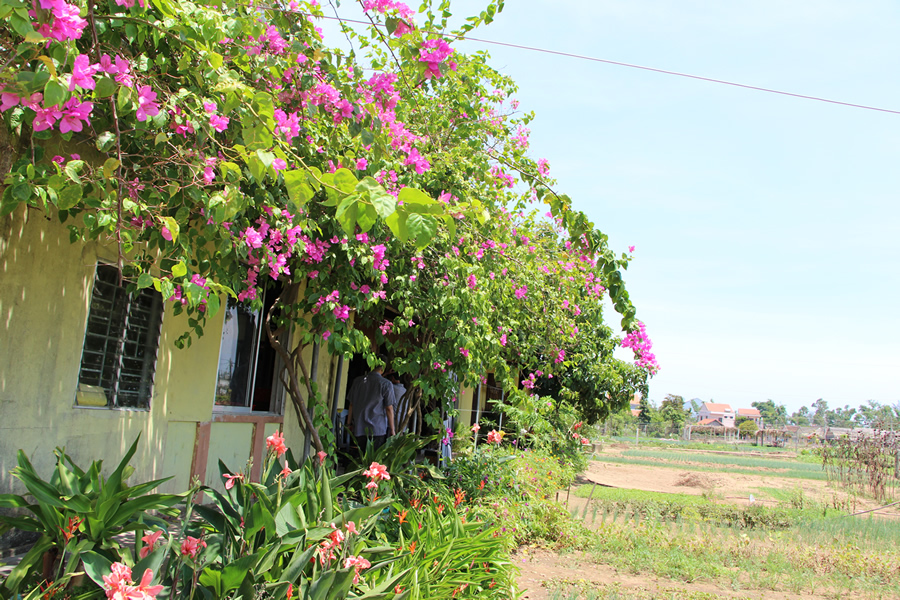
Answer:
x=370 y=412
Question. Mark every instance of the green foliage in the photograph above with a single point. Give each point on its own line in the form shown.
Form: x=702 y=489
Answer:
x=78 y=511
x=747 y=428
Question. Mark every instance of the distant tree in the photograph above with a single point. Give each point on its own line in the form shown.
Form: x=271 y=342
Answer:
x=647 y=411
x=673 y=412
x=747 y=428
x=801 y=418
x=774 y=414
x=820 y=416
x=696 y=405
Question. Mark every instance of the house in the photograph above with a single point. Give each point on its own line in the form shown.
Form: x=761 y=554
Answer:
x=711 y=422
x=752 y=414
x=722 y=412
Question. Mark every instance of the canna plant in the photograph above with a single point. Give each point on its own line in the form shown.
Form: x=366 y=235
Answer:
x=77 y=511
x=295 y=532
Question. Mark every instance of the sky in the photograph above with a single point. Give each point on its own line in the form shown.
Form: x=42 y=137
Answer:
x=766 y=228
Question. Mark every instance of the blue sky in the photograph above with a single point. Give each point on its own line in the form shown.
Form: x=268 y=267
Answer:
x=767 y=231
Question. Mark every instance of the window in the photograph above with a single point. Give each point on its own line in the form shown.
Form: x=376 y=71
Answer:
x=247 y=378
x=119 y=357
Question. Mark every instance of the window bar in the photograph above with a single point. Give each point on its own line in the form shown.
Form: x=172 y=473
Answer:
x=146 y=387
x=120 y=347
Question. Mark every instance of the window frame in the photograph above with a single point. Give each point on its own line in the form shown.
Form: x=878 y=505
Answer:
x=148 y=363
x=277 y=399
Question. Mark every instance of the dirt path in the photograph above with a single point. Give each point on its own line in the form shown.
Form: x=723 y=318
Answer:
x=540 y=570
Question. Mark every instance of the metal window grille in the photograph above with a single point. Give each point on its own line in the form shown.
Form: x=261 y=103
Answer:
x=121 y=341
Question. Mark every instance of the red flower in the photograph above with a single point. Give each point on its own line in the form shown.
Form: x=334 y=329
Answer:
x=275 y=442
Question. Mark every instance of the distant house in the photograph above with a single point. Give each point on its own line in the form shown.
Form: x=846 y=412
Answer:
x=752 y=414
x=722 y=412
x=711 y=422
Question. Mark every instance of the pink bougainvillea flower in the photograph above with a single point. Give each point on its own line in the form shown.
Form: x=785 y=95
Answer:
x=123 y=71
x=279 y=164
x=275 y=443
x=631 y=248
x=362 y=164
x=166 y=233
x=230 y=479
x=503 y=340
x=219 y=123
x=210 y=107
x=8 y=100
x=46 y=118
x=464 y=351
x=75 y=111
x=67 y=23
x=147 y=106
x=83 y=73
x=191 y=546
x=521 y=292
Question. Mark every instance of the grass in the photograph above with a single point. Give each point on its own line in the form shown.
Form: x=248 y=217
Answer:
x=785 y=467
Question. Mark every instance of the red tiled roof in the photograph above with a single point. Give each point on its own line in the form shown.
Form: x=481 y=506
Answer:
x=717 y=408
x=710 y=422
x=748 y=412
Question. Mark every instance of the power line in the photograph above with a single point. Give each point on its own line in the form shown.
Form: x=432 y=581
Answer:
x=642 y=67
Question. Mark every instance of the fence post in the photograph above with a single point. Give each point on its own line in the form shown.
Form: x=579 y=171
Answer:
x=897 y=463
x=637 y=433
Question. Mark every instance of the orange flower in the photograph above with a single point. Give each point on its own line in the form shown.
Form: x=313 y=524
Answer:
x=459 y=496
x=412 y=547
x=71 y=529
x=417 y=503
x=290 y=591
x=440 y=509
x=402 y=517
x=481 y=485
x=398 y=589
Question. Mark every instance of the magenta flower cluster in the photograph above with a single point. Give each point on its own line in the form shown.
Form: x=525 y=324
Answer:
x=640 y=344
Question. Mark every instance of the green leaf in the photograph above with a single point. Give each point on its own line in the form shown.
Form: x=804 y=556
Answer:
x=172 y=226
x=346 y=213
x=105 y=141
x=367 y=217
x=230 y=171
x=144 y=281
x=422 y=228
x=72 y=170
x=106 y=87
x=96 y=566
x=417 y=200
x=68 y=197
x=110 y=166
x=179 y=269
x=33 y=37
x=344 y=180
x=267 y=158
x=298 y=188
x=397 y=224
x=384 y=203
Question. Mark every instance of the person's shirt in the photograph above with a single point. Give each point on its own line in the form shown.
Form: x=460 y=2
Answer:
x=370 y=398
